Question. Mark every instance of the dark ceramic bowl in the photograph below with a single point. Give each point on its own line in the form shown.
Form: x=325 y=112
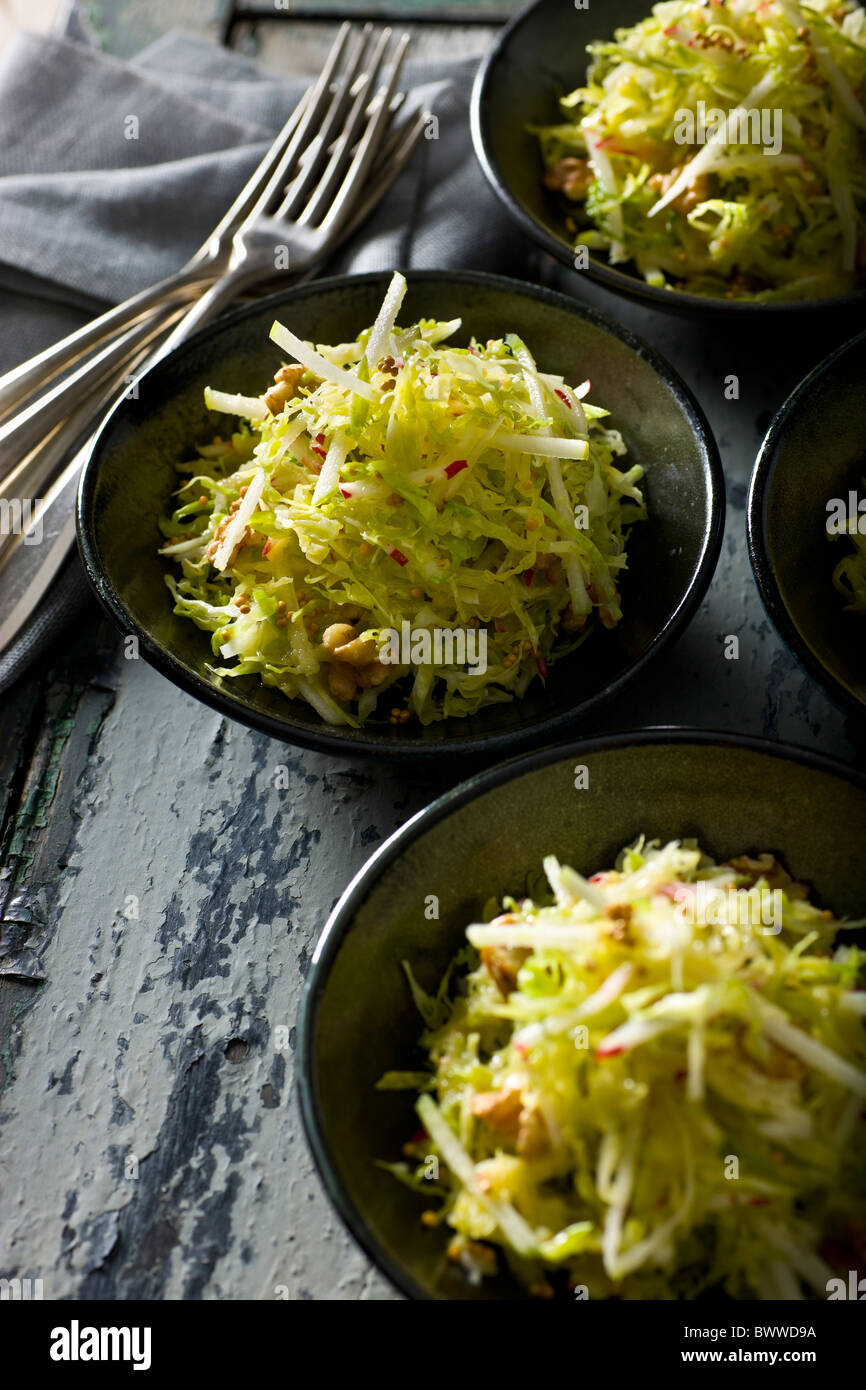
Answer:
x=482 y=841
x=815 y=451
x=538 y=58
x=131 y=474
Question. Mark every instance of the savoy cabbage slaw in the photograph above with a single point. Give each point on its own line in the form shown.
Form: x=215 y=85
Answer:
x=399 y=480
x=644 y=1092
x=718 y=217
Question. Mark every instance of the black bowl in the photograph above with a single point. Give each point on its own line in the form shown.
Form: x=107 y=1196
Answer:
x=130 y=476
x=481 y=841
x=815 y=450
x=538 y=58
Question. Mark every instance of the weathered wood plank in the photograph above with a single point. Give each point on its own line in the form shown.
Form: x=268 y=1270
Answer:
x=186 y=895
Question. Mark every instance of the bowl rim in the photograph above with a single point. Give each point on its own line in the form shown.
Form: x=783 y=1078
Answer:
x=412 y=749
x=341 y=918
x=630 y=286
x=767 y=583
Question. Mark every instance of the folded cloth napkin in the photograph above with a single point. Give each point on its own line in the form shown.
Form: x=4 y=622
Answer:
x=112 y=174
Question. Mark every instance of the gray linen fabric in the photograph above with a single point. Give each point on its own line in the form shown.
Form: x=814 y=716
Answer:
x=112 y=174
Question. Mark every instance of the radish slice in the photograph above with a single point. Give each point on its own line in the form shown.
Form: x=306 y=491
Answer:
x=714 y=149
x=633 y=1033
x=330 y=474
x=543 y=446
x=606 y=993
x=228 y=403
x=533 y=935
x=604 y=172
x=513 y=1226
x=363 y=490
x=380 y=333
x=315 y=362
x=580 y=600
x=237 y=527
x=441 y=473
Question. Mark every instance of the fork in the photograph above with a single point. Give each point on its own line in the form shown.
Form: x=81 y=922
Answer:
x=38 y=465
x=310 y=214
x=30 y=573
x=46 y=448
x=309 y=145
x=208 y=261
x=303 y=223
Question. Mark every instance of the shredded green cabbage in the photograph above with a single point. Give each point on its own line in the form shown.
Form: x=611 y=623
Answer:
x=712 y=208
x=651 y=1087
x=400 y=488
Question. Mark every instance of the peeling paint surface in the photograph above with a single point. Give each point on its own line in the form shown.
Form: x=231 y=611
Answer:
x=168 y=895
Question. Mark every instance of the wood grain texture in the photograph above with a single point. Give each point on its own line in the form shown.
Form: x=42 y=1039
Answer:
x=151 y=1122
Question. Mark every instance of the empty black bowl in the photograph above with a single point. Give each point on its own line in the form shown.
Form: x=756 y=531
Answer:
x=130 y=477
x=482 y=841
x=815 y=451
x=538 y=58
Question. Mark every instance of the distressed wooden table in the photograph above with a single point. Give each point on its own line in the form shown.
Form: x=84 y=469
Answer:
x=161 y=895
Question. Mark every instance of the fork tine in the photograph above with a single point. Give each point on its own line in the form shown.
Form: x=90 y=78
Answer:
x=306 y=131
x=317 y=151
x=248 y=195
x=36 y=372
x=367 y=149
x=27 y=426
x=12 y=623
x=412 y=125
x=337 y=153
x=378 y=115
x=337 y=157
x=397 y=104
x=392 y=161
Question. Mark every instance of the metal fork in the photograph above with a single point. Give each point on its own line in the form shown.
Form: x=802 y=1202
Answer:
x=333 y=158
x=17 y=385
x=306 y=219
x=323 y=118
x=28 y=572
x=47 y=443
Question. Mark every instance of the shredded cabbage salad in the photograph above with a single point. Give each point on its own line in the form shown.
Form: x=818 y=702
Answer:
x=397 y=486
x=699 y=204
x=651 y=1087
x=849 y=575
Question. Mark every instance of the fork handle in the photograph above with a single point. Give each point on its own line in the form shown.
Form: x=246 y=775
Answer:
x=23 y=431
x=217 y=297
x=19 y=385
x=39 y=443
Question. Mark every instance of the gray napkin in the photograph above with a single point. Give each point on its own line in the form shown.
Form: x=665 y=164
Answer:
x=112 y=174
